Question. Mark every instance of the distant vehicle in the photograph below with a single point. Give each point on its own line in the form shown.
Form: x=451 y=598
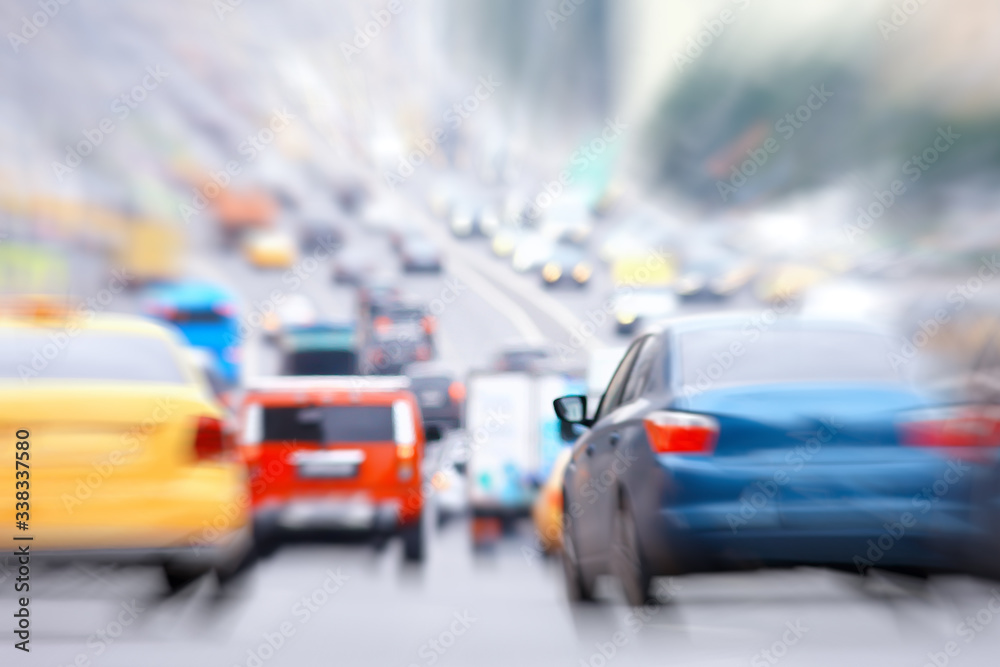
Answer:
x=506 y=239
x=319 y=349
x=272 y=249
x=351 y=268
x=441 y=397
x=806 y=423
x=91 y=405
x=521 y=356
x=418 y=253
x=385 y=217
x=567 y=220
x=239 y=212
x=712 y=273
x=531 y=252
x=567 y=265
x=511 y=411
x=152 y=251
x=295 y=310
x=636 y=306
x=376 y=293
x=393 y=343
x=340 y=455
x=320 y=233
x=206 y=316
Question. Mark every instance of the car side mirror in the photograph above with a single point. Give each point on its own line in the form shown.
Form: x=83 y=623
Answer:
x=571 y=409
x=432 y=432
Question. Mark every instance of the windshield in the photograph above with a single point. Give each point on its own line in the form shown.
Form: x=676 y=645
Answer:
x=87 y=355
x=733 y=356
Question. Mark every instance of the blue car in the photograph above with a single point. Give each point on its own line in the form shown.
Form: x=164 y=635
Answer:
x=206 y=316
x=726 y=443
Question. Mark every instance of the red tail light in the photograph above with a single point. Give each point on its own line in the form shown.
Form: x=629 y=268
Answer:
x=382 y=324
x=951 y=427
x=681 y=433
x=224 y=309
x=429 y=324
x=456 y=392
x=209 y=442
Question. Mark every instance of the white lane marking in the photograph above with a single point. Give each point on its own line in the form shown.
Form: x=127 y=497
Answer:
x=496 y=275
x=500 y=301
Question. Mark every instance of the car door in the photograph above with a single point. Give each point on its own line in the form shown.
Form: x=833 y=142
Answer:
x=591 y=460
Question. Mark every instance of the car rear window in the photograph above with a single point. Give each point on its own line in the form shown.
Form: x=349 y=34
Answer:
x=355 y=423
x=734 y=356
x=203 y=316
x=86 y=355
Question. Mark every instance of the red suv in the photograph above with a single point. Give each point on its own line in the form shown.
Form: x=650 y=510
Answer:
x=335 y=454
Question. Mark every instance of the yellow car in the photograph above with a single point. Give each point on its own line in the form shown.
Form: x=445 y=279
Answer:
x=121 y=452
x=271 y=250
x=547 y=511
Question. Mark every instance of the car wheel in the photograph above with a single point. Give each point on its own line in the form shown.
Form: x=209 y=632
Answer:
x=579 y=587
x=627 y=562
x=413 y=541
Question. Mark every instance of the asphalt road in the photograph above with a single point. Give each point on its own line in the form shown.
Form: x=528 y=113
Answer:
x=317 y=604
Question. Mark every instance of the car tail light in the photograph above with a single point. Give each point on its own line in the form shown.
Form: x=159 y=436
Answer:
x=429 y=324
x=951 y=427
x=382 y=324
x=681 y=432
x=208 y=438
x=456 y=392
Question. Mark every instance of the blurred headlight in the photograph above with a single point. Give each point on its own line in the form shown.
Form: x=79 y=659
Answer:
x=521 y=261
x=625 y=317
x=489 y=223
x=461 y=224
x=503 y=245
x=581 y=272
x=690 y=284
x=551 y=272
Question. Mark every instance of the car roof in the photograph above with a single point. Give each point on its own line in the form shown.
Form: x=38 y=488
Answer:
x=730 y=319
x=99 y=322
x=352 y=383
x=188 y=294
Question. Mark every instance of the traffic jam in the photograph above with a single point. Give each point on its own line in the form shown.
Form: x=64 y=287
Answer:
x=580 y=333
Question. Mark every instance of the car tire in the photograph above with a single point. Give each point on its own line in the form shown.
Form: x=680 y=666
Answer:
x=413 y=541
x=627 y=561
x=579 y=588
x=179 y=577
